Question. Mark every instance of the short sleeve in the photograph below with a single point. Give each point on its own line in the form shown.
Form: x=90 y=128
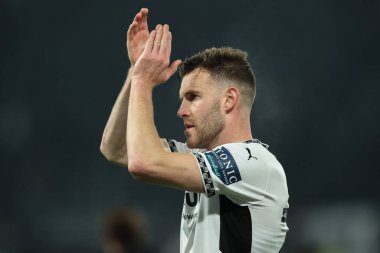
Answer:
x=176 y=146
x=239 y=170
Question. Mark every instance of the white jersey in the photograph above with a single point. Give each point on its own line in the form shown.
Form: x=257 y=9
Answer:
x=245 y=203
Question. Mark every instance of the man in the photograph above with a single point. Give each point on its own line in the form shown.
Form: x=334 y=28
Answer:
x=236 y=196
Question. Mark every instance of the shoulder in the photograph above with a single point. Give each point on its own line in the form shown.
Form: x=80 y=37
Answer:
x=251 y=160
x=244 y=151
x=180 y=147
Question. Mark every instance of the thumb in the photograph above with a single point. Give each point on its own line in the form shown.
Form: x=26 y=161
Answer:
x=173 y=67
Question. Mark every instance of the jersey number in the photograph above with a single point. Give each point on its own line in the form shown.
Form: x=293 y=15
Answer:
x=192 y=198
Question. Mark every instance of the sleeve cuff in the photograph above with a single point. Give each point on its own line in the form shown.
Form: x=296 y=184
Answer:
x=206 y=176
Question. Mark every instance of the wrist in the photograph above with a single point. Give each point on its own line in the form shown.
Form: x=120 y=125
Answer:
x=141 y=86
x=130 y=71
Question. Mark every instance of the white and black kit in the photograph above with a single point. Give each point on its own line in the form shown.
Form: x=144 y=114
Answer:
x=244 y=207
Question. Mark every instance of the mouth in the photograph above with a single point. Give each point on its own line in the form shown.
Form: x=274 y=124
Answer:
x=188 y=126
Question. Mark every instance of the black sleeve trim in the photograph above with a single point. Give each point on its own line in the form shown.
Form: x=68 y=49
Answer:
x=257 y=141
x=209 y=185
x=172 y=146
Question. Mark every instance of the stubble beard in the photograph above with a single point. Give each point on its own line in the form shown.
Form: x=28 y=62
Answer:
x=209 y=128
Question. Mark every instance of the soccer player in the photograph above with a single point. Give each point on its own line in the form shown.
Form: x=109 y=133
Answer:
x=236 y=195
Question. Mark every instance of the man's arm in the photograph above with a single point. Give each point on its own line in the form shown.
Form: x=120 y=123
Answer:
x=113 y=145
x=114 y=140
x=148 y=161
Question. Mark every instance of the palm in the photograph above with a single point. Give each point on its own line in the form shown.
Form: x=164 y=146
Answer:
x=137 y=36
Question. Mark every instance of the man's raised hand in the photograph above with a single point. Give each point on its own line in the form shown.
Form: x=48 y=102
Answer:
x=137 y=35
x=153 y=66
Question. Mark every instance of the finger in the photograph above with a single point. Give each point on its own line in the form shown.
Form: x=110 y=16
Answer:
x=144 y=12
x=164 y=40
x=138 y=17
x=173 y=68
x=168 y=46
x=157 y=40
x=142 y=19
x=132 y=29
x=150 y=41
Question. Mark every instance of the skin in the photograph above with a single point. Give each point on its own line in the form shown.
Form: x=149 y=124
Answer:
x=114 y=140
x=201 y=109
x=137 y=35
x=213 y=113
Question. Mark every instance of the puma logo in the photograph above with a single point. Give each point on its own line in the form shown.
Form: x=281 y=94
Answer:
x=250 y=155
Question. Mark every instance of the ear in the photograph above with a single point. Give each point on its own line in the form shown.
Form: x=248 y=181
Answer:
x=231 y=98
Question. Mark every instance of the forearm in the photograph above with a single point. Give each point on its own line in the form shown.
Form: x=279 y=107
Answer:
x=148 y=161
x=144 y=146
x=146 y=155
x=113 y=145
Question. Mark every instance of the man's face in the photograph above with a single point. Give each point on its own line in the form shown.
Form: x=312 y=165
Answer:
x=200 y=109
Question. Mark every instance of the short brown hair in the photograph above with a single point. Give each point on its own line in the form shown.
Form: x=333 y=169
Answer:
x=224 y=63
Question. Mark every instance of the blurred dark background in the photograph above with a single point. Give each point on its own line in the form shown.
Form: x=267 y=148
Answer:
x=63 y=64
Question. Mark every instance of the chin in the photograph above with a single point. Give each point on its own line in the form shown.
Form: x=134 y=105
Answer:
x=191 y=144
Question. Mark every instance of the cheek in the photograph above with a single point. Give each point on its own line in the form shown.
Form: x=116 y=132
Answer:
x=199 y=109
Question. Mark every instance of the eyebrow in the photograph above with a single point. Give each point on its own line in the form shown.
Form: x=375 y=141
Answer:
x=190 y=91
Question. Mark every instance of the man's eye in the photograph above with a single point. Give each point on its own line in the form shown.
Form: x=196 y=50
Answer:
x=191 y=97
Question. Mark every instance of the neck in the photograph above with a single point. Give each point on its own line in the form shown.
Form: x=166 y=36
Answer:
x=237 y=129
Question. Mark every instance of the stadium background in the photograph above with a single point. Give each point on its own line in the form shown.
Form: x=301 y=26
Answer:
x=62 y=66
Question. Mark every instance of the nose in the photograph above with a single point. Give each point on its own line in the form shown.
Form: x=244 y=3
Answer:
x=182 y=111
